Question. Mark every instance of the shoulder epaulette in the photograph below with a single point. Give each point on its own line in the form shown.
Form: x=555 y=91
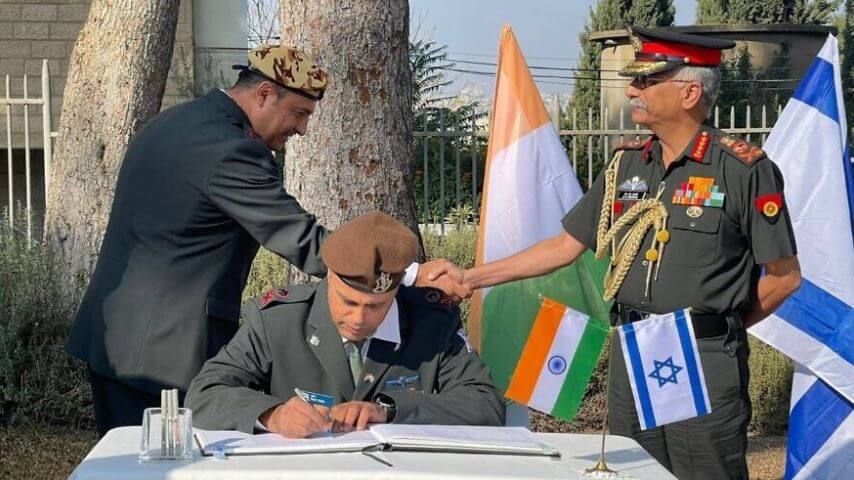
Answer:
x=292 y=294
x=747 y=153
x=633 y=145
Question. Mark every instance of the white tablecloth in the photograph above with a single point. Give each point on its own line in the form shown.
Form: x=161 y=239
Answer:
x=115 y=458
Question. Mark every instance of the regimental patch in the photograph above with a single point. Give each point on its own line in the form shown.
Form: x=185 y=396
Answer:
x=273 y=296
x=700 y=146
x=769 y=205
x=700 y=191
x=742 y=150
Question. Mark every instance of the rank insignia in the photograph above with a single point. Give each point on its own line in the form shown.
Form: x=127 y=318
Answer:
x=700 y=191
x=273 y=295
x=745 y=152
x=769 y=205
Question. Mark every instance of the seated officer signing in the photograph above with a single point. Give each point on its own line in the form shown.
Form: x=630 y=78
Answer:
x=385 y=353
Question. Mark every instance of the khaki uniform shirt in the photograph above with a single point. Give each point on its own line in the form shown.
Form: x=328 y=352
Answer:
x=727 y=216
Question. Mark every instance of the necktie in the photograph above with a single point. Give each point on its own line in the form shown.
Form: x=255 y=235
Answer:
x=354 y=354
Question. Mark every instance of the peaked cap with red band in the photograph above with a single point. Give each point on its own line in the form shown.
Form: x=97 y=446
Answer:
x=659 y=50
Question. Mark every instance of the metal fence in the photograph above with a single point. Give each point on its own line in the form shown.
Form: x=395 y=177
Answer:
x=451 y=152
x=26 y=102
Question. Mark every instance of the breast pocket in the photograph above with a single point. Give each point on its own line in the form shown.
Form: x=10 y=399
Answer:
x=693 y=241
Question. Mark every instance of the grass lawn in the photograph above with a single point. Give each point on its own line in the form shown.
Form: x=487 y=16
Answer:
x=52 y=453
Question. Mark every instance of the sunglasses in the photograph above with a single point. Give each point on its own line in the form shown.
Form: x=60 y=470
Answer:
x=643 y=82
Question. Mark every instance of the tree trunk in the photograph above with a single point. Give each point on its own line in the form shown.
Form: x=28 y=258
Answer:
x=356 y=155
x=116 y=78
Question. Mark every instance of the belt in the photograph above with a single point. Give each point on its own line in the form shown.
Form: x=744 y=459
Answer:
x=705 y=324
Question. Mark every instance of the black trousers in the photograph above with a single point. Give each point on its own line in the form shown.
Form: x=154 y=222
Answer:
x=713 y=446
x=119 y=405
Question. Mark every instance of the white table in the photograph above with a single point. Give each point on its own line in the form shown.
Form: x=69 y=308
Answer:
x=115 y=458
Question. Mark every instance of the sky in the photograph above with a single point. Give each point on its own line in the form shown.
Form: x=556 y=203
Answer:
x=547 y=31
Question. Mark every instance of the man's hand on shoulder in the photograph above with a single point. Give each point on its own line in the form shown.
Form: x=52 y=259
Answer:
x=356 y=416
x=296 y=419
x=445 y=276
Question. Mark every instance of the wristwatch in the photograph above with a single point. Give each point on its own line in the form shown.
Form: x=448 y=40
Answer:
x=387 y=404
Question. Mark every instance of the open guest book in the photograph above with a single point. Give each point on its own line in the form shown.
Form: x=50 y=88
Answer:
x=440 y=438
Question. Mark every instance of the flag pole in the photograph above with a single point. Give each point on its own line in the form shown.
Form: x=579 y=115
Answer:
x=601 y=468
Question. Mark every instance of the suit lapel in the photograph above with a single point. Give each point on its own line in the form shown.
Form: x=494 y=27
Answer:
x=381 y=355
x=326 y=343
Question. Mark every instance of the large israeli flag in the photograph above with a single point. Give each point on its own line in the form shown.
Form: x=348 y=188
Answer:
x=815 y=326
x=664 y=369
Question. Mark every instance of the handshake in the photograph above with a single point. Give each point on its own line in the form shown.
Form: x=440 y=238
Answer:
x=445 y=276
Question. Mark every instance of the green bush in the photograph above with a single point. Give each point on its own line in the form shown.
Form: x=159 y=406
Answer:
x=268 y=271
x=39 y=382
x=770 y=388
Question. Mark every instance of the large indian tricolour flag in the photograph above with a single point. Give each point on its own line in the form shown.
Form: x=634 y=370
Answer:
x=529 y=187
x=815 y=326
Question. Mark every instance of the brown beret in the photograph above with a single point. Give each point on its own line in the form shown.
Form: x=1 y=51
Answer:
x=290 y=68
x=371 y=252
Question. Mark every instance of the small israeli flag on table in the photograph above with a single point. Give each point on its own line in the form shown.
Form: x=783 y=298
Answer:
x=664 y=369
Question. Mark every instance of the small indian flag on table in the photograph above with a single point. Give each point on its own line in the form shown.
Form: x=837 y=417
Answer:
x=558 y=358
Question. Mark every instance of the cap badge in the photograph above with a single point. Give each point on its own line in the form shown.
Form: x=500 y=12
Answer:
x=384 y=283
x=637 y=43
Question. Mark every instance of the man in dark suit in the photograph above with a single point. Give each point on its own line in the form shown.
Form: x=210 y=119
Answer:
x=198 y=191
x=384 y=353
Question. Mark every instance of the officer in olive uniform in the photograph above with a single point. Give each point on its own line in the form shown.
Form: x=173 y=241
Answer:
x=385 y=353
x=689 y=218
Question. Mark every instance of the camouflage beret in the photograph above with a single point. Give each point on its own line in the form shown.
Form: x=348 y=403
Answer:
x=290 y=68
x=371 y=252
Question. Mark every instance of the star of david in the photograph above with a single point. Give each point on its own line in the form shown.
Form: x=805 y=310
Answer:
x=656 y=373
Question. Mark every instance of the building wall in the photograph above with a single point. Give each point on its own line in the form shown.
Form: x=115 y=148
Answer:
x=47 y=29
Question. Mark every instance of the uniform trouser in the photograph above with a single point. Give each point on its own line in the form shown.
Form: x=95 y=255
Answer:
x=117 y=404
x=702 y=448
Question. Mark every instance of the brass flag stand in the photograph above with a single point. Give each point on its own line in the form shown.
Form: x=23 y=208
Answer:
x=601 y=470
